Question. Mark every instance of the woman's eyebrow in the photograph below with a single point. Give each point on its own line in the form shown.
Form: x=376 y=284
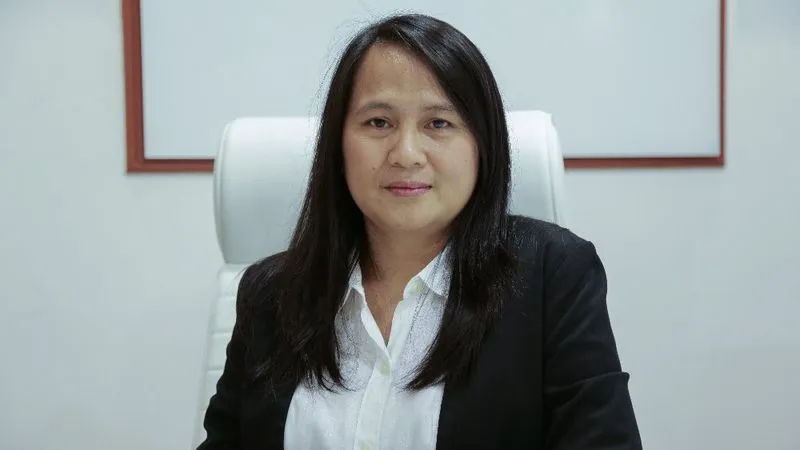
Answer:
x=443 y=107
x=384 y=106
x=374 y=105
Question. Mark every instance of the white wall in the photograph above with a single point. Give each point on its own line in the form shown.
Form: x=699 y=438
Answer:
x=106 y=279
x=704 y=264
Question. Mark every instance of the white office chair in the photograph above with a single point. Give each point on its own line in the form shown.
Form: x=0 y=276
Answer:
x=260 y=177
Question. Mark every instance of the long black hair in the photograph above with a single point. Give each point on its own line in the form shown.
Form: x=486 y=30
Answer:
x=303 y=294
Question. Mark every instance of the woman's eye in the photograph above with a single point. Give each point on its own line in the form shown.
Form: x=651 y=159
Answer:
x=440 y=124
x=378 y=123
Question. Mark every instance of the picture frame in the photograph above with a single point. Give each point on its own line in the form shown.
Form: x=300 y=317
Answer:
x=138 y=159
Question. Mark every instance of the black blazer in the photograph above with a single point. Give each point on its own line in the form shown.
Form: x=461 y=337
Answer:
x=548 y=375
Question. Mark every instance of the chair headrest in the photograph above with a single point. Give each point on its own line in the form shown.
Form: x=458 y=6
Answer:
x=261 y=173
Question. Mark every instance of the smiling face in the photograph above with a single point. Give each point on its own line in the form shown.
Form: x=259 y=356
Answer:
x=410 y=161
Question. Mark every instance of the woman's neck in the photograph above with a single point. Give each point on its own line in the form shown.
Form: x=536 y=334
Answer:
x=395 y=258
x=389 y=266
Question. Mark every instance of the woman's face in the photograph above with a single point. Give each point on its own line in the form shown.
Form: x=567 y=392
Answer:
x=410 y=162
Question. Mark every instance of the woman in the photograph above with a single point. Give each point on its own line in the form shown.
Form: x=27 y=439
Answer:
x=411 y=311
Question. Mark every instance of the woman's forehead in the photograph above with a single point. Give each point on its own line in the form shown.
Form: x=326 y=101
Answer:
x=390 y=72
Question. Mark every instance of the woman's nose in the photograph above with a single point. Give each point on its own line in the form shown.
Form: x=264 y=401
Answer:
x=408 y=151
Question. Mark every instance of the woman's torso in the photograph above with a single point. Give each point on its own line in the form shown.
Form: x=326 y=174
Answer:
x=376 y=410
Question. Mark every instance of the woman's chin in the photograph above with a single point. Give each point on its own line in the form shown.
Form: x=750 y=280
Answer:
x=406 y=223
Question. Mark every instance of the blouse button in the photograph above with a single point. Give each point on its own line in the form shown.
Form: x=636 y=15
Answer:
x=384 y=368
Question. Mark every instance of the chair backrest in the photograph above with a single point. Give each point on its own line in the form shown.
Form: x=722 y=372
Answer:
x=260 y=177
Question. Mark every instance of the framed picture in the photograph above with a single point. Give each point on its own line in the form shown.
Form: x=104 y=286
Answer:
x=629 y=84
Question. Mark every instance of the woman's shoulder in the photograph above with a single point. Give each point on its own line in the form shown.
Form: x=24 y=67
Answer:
x=256 y=281
x=264 y=269
x=546 y=243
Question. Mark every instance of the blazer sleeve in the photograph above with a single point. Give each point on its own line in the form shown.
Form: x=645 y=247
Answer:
x=221 y=420
x=586 y=397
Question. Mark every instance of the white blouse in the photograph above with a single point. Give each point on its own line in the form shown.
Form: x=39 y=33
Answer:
x=376 y=412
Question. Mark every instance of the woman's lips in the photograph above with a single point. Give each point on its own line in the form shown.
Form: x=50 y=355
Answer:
x=408 y=188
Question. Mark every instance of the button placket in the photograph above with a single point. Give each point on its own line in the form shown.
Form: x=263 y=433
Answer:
x=374 y=403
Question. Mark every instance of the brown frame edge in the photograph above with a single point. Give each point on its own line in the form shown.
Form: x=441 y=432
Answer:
x=134 y=113
x=674 y=162
x=134 y=110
